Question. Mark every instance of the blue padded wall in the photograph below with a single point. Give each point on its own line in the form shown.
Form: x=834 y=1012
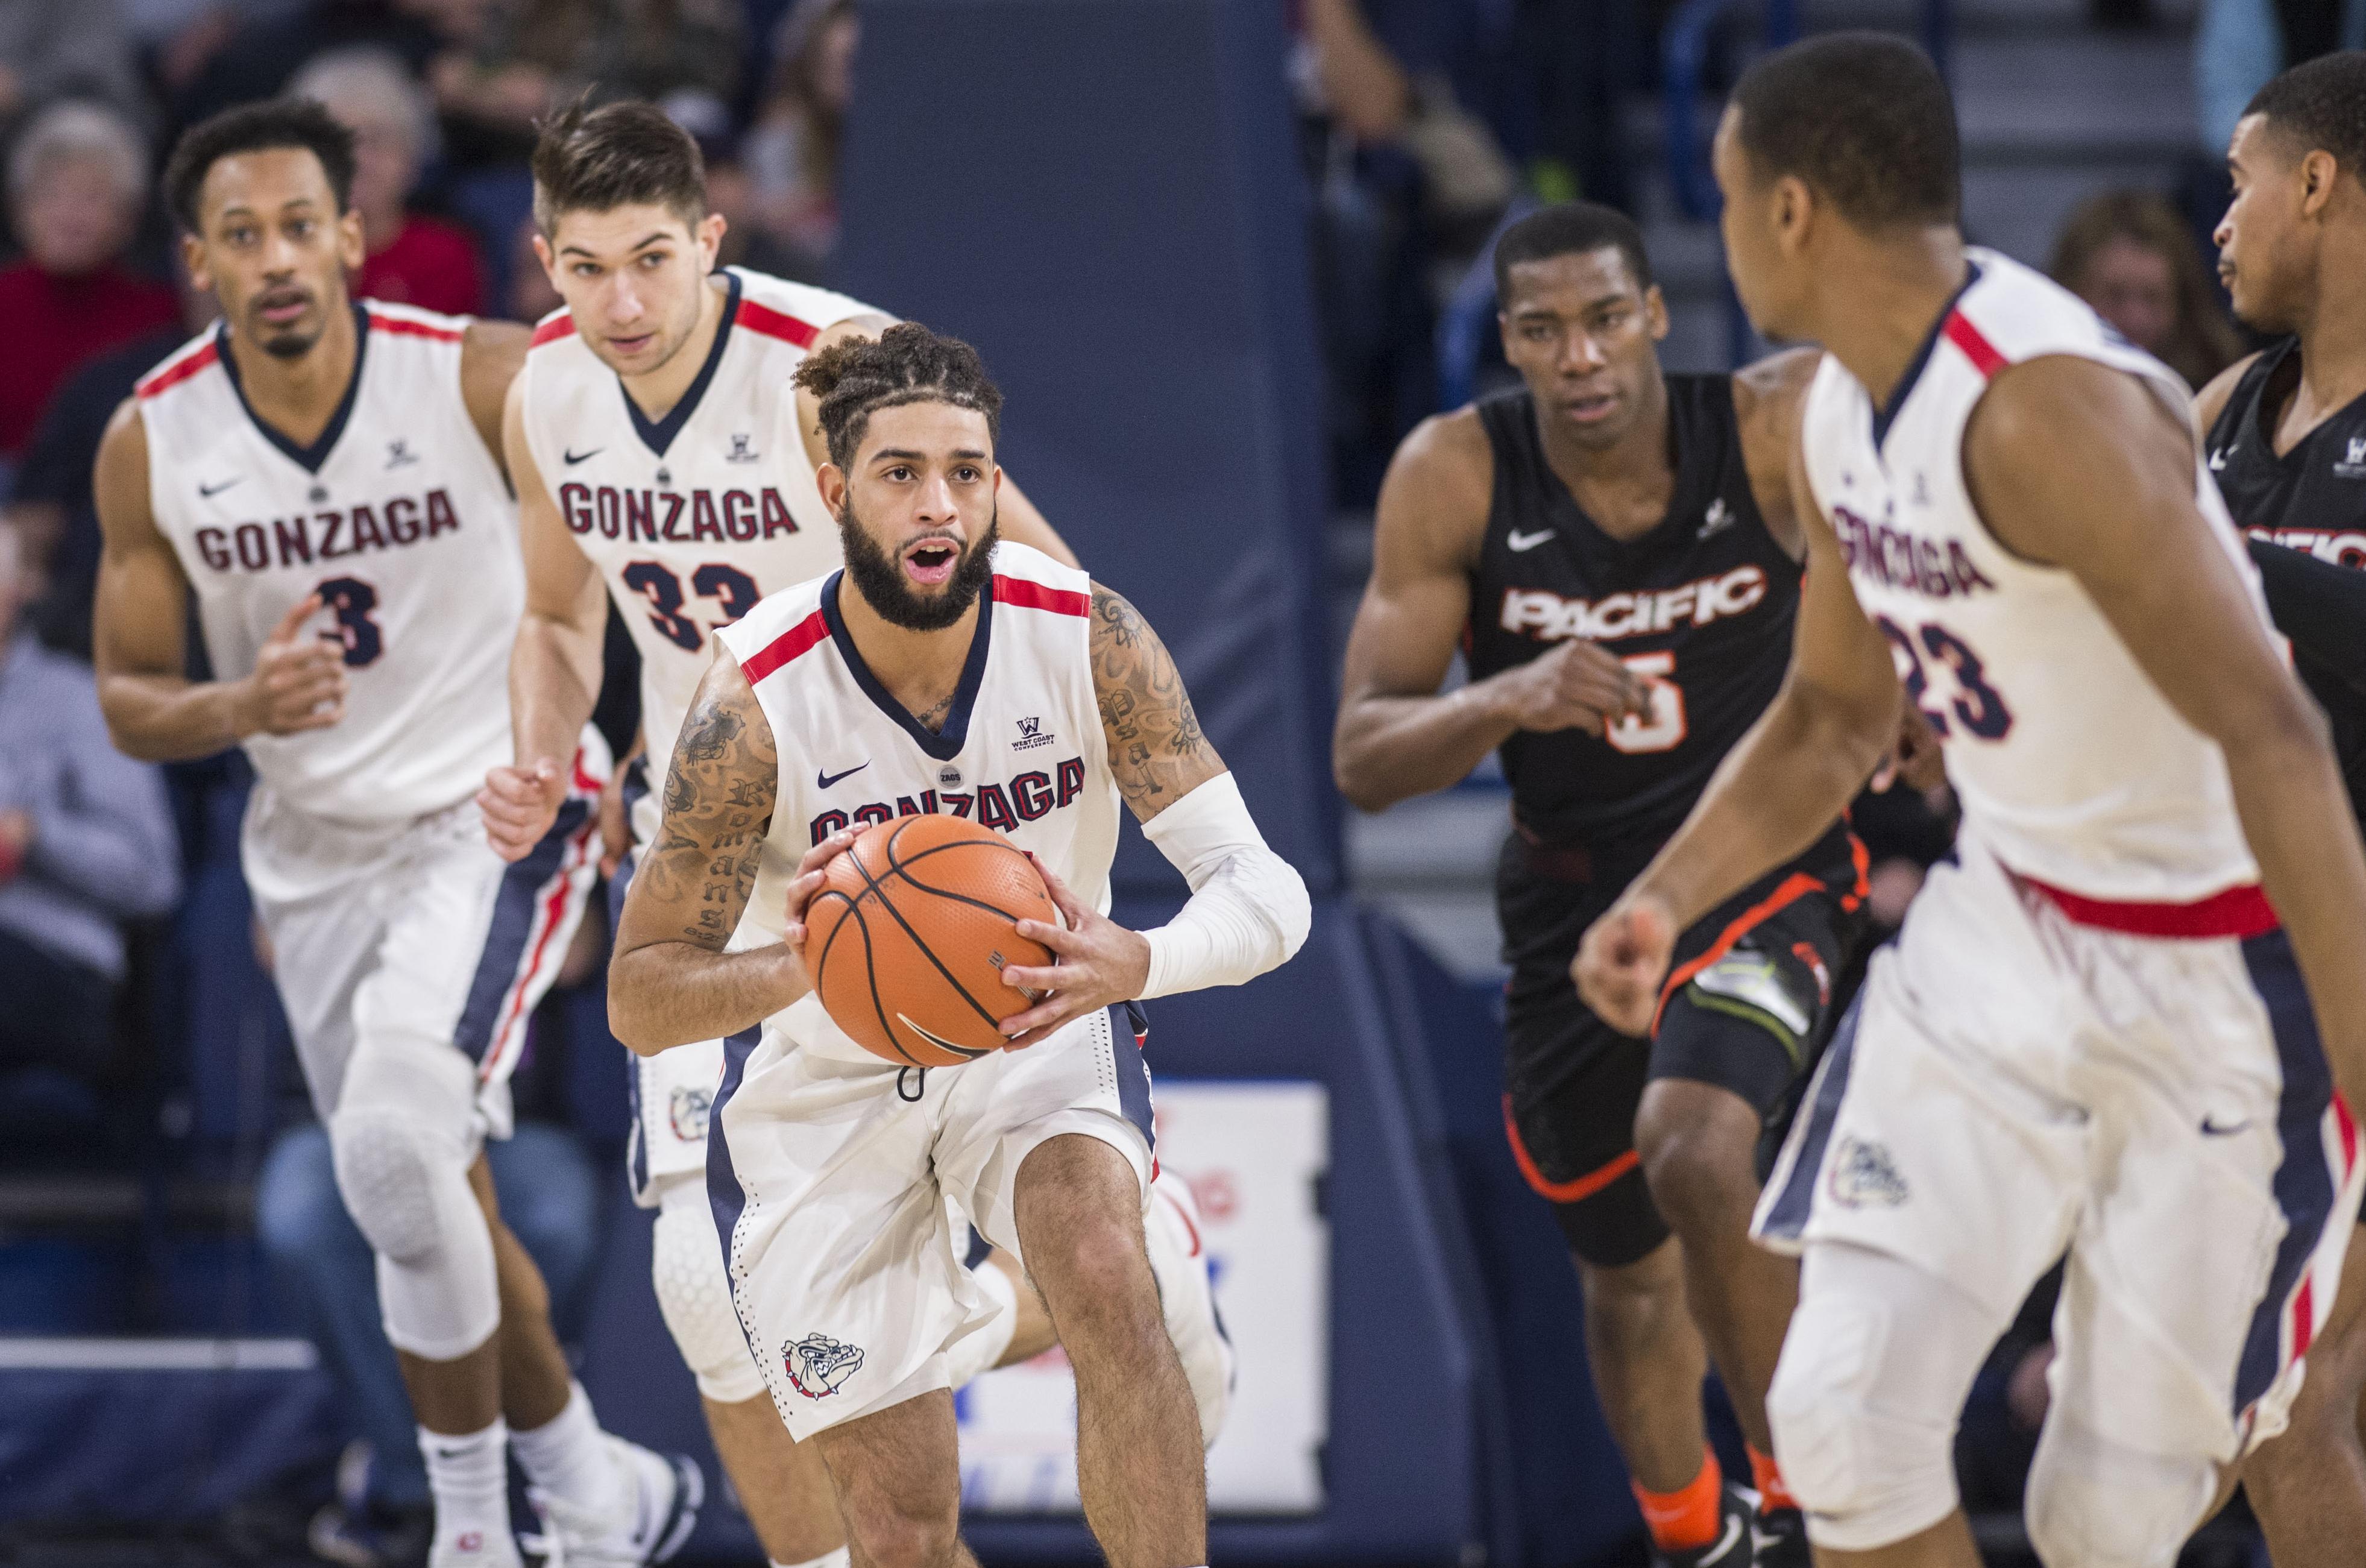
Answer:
x=1104 y=200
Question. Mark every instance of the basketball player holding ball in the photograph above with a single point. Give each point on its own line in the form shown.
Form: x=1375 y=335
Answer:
x=665 y=462
x=942 y=670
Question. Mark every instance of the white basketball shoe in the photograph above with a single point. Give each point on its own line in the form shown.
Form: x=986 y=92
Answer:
x=647 y=1524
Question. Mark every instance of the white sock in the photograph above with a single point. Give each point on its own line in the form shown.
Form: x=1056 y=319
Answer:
x=568 y=1456
x=469 y=1476
x=839 y=1559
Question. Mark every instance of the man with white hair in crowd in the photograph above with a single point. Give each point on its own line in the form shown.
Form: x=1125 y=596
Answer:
x=77 y=178
x=85 y=844
x=408 y=259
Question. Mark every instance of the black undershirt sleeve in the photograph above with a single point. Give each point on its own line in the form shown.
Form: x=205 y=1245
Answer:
x=2320 y=606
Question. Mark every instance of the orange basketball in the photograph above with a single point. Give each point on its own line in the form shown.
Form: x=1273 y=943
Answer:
x=906 y=940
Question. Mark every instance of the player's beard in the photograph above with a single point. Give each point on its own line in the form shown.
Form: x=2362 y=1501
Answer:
x=879 y=576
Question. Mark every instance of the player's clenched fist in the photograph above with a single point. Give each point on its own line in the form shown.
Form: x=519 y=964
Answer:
x=299 y=682
x=1622 y=961
x=1574 y=686
x=520 y=805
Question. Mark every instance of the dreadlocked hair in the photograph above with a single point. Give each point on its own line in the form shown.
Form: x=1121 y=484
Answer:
x=907 y=364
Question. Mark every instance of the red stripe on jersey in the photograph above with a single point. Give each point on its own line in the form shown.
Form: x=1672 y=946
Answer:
x=799 y=638
x=2304 y=1320
x=177 y=371
x=2238 y=912
x=1029 y=596
x=1977 y=349
x=777 y=324
x=2349 y=1130
x=401 y=327
x=555 y=326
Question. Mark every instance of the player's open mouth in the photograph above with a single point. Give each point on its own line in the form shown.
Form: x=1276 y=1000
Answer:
x=1590 y=406
x=931 y=560
x=632 y=346
x=282 y=307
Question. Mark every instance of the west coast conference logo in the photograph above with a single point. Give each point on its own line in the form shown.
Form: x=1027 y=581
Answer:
x=817 y=1364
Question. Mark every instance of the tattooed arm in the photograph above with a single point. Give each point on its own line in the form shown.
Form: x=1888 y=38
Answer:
x=1156 y=747
x=1248 y=910
x=672 y=982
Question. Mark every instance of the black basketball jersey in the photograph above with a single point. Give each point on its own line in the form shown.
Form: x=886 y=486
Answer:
x=2311 y=498
x=1701 y=606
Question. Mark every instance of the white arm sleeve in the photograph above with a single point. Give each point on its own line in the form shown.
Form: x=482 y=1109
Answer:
x=1248 y=911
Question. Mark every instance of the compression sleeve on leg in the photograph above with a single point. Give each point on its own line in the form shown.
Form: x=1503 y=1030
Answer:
x=1248 y=910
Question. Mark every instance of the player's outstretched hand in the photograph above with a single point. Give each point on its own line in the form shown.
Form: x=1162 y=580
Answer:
x=299 y=682
x=1622 y=960
x=808 y=881
x=520 y=805
x=1574 y=686
x=615 y=831
x=1096 y=964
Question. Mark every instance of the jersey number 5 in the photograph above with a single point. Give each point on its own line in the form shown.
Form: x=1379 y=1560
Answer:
x=1664 y=728
x=730 y=587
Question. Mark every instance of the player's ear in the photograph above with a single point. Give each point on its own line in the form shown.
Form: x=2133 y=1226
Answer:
x=710 y=238
x=193 y=257
x=1655 y=313
x=830 y=479
x=542 y=254
x=350 y=249
x=1792 y=207
x=2317 y=172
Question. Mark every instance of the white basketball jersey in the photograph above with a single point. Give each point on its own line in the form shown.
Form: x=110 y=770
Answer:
x=695 y=517
x=398 y=516
x=2070 y=765
x=1022 y=751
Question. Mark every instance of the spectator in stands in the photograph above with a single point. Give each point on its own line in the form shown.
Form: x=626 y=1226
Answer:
x=76 y=179
x=266 y=50
x=790 y=154
x=2127 y=254
x=525 y=58
x=50 y=51
x=409 y=258
x=86 y=844
x=51 y=501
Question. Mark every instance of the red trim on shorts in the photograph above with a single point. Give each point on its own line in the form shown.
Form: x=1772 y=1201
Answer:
x=177 y=371
x=2347 y=1126
x=2304 y=1320
x=556 y=325
x=553 y=908
x=798 y=639
x=402 y=328
x=1794 y=888
x=2237 y=912
x=1184 y=1215
x=1975 y=348
x=1573 y=1191
x=776 y=323
x=1032 y=595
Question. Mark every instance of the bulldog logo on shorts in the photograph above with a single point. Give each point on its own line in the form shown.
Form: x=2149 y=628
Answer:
x=817 y=1364
x=687 y=1108
x=1864 y=1176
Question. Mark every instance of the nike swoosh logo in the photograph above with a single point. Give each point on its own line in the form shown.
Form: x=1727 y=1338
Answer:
x=2209 y=1128
x=575 y=458
x=1725 y=1543
x=210 y=491
x=2218 y=461
x=828 y=779
x=1522 y=542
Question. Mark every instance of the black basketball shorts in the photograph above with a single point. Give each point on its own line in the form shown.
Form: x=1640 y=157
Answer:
x=1750 y=997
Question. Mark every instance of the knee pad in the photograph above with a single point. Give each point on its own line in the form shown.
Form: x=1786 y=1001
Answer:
x=383 y=1171
x=694 y=1295
x=405 y=1182
x=2094 y=1503
x=1870 y=1463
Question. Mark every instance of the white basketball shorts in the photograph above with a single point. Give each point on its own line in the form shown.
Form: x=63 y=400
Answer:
x=416 y=932
x=2016 y=1079
x=830 y=1171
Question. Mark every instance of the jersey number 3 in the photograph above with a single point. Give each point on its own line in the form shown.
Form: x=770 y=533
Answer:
x=730 y=587
x=1662 y=729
